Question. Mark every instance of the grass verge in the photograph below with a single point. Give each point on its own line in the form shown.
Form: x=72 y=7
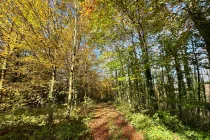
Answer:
x=161 y=126
x=30 y=124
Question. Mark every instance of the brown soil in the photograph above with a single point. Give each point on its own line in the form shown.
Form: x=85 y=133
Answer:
x=108 y=124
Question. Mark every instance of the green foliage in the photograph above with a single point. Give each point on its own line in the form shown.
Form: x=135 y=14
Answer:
x=30 y=124
x=162 y=126
x=88 y=102
x=64 y=130
x=171 y=122
x=153 y=56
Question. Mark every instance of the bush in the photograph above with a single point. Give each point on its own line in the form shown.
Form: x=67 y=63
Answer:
x=171 y=122
x=162 y=126
x=30 y=124
x=73 y=130
x=88 y=102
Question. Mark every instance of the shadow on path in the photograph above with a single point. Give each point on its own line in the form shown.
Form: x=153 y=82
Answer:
x=107 y=124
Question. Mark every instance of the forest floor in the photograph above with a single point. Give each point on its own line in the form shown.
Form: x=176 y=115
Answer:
x=107 y=124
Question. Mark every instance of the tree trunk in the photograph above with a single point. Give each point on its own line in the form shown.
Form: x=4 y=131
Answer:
x=129 y=92
x=52 y=83
x=204 y=91
x=118 y=92
x=50 y=96
x=198 y=76
x=181 y=85
x=149 y=83
x=3 y=68
x=203 y=26
x=171 y=91
x=71 y=74
x=70 y=93
x=187 y=72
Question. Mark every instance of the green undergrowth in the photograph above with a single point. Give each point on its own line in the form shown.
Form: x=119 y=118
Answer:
x=161 y=126
x=115 y=132
x=30 y=124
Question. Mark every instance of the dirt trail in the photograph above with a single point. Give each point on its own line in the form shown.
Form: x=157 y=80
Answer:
x=107 y=124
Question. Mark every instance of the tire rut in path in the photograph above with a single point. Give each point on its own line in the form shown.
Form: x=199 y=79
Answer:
x=107 y=124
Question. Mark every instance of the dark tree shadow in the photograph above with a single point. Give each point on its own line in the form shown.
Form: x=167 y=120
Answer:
x=65 y=130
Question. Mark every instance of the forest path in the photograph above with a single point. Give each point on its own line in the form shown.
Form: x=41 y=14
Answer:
x=108 y=124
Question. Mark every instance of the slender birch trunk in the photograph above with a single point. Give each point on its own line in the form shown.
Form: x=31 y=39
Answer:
x=71 y=74
x=3 y=68
x=50 y=96
x=52 y=83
